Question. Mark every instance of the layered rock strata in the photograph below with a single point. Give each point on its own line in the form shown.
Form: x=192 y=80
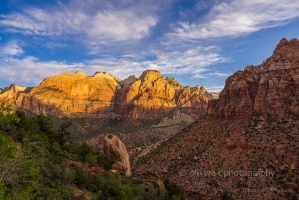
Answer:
x=269 y=88
x=104 y=96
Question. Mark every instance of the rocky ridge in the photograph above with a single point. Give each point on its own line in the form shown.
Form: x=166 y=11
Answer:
x=103 y=96
x=269 y=88
x=175 y=118
x=11 y=92
x=253 y=126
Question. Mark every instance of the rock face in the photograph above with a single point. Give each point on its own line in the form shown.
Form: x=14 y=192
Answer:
x=177 y=117
x=271 y=87
x=252 y=126
x=10 y=93
x=104 y=96
x=112 y=146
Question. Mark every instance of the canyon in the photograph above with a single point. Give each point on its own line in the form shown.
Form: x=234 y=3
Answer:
x=187 y=134
x=252 y=127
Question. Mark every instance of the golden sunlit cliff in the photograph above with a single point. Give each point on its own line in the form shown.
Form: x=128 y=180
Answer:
x=102 y=95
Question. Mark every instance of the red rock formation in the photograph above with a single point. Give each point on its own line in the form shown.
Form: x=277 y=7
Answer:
x=252 y=126
x=271 y=87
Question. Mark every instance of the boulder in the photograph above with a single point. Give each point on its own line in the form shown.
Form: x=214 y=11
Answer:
x=113 y=146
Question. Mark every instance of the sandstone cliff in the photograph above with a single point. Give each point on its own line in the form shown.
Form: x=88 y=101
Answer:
x=112 y=146
x=104 y=96
x=271 y=87
x=10 y=93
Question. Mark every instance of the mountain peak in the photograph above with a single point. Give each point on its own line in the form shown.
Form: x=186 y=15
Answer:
x=150 y=75
x=269 y=88
x=128 y=81
x=105 y=75
x=81 y=73
x=285 y=50
x=105 y=96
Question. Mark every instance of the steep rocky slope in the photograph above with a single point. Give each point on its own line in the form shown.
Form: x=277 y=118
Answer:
x=215 y=154
x=104 y=96
x=271 y=87
x=248 y=142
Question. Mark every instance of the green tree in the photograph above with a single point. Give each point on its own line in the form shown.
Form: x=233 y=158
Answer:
x=6 y=115
x=64 y=133
x=7 y=164
x=151 y=193
x=33 y=164
x=172 y=188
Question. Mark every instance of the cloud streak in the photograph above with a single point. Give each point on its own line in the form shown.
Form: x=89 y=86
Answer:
x=126 y=37
x=31 y=70
x=11 y=49
x=114 y=25
x=238 y=17
x=215 y=88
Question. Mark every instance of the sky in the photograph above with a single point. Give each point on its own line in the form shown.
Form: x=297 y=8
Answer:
x=198 y=42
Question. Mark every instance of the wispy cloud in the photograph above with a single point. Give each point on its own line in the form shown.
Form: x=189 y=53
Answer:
x=11 y=49
x=215 y=88
x=128 y=36
x=114 y=25
x=31 y=70
x=238 y=17
x=218 y=74
x=194 y=62
x=203 y=4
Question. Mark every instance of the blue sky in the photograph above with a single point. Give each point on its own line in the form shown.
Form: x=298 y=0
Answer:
x=198 y=42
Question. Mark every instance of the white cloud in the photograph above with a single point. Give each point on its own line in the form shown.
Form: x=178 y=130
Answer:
x=216 y=89
x=31 y=70
x=218 y=74
x=238 y=17
x=11 y=49
x=193 y=61
x=122 y=25
x=115 y=25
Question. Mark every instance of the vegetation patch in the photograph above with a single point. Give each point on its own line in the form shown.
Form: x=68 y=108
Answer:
x=39 y=160
x=52 y=88
x=110 y=136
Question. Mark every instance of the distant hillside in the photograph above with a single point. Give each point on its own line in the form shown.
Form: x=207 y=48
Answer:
x=104 y=96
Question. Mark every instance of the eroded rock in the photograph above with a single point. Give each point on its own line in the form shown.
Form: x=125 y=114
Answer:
x=104 y=96
x=269 y=88
x=113 y=146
